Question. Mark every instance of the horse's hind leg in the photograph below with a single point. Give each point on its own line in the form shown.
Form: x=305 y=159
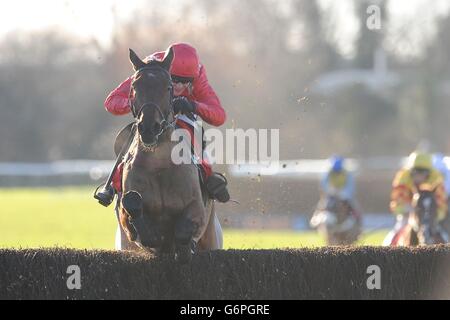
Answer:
x=212 y=238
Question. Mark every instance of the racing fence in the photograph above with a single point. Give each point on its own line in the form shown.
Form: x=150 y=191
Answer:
x=326 y=273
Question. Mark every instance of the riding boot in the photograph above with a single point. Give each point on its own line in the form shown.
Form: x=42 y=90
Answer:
x=105 y=195
x=216 y=184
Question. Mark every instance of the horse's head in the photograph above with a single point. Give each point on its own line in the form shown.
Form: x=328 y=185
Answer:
x=331 y=211
x=331 y=203
x=424 y=215
x=152 y=88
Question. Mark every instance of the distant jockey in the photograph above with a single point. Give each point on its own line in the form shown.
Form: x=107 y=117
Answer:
x=418 y=174
x=338 y=181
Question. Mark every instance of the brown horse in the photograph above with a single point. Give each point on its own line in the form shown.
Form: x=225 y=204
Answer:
x=336 y=221
x=422 y=228
x=163 y=206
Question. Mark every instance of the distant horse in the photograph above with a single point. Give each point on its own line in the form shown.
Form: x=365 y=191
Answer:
x=163 y=208
x=422 y=228
x=335 y=219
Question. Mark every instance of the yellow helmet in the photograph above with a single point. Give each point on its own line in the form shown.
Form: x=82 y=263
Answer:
x=420 y=160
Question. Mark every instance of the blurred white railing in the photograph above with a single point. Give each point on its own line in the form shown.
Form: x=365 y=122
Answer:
x=312 y=168
x=97 y=169
x=93 y=168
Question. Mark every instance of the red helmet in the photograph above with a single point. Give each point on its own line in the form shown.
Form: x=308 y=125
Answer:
x=185 y=63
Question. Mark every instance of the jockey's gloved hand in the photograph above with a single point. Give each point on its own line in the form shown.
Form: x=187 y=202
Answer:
x=183 y=105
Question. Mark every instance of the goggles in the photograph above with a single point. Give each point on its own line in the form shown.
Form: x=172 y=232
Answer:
x=183 y=80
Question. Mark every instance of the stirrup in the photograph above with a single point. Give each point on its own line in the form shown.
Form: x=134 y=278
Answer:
x=105 y=196
x=216 y=184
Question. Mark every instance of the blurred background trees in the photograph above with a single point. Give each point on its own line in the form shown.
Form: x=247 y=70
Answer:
x=263 y=57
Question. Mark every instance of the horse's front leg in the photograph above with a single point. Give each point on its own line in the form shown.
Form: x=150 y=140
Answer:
x=188 y=229
x=125 y=233
x=132 y=203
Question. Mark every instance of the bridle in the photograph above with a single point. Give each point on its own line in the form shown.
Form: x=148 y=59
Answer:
x=165 y=123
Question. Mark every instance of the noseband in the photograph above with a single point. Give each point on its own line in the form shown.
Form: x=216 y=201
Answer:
x=165 y=123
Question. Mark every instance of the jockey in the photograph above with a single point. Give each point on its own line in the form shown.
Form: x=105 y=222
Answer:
x=338 y=181
x=418 y=174
x=193 y=97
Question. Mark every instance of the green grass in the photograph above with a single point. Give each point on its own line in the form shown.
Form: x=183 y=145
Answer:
x=70 y=217
x=54 y=216
x=272 y=239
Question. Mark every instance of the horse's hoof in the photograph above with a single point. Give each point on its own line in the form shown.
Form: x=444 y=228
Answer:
x=183 y=254
x=132 y=202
